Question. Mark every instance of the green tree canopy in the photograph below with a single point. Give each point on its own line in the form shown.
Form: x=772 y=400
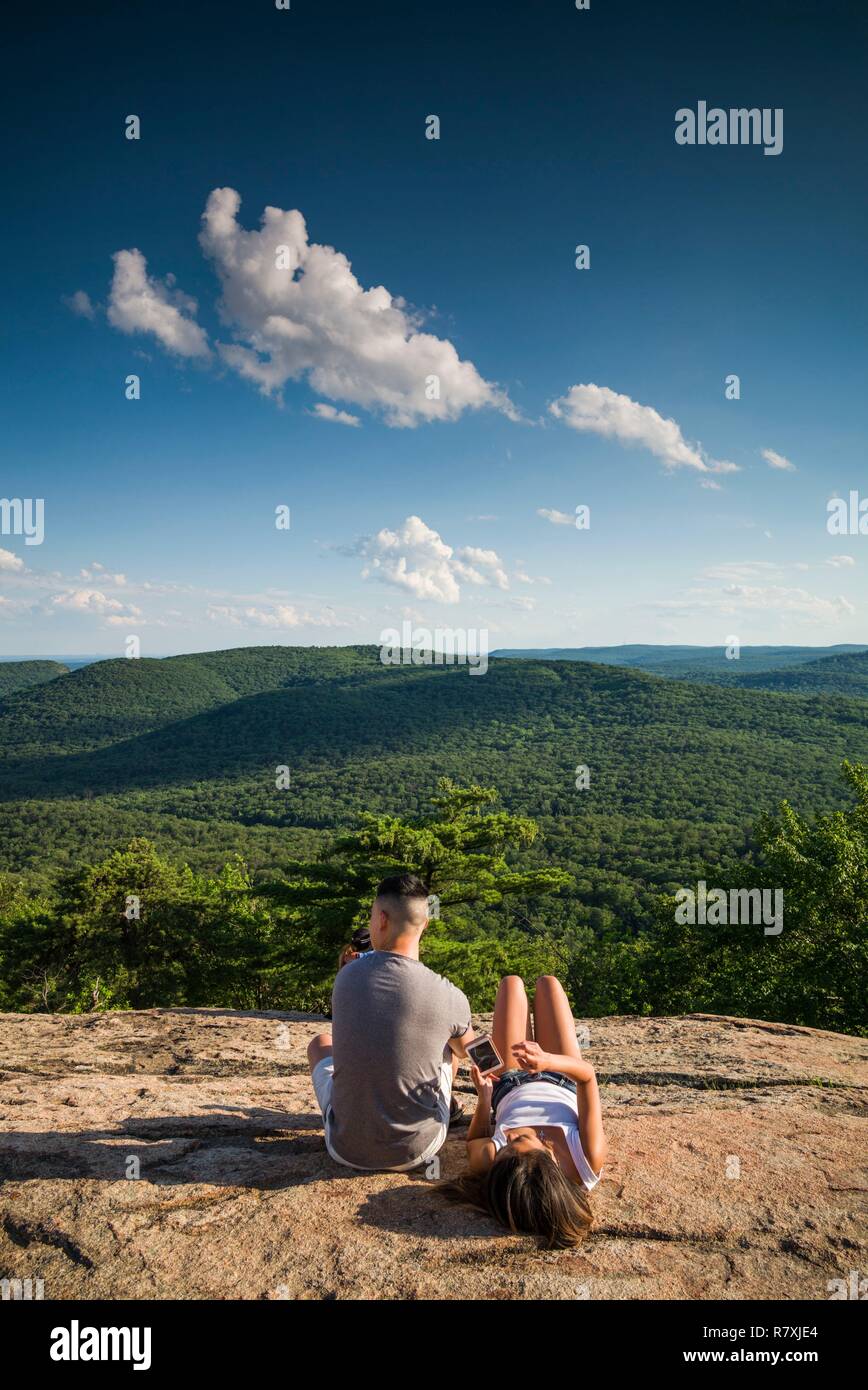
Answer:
x=459 y=850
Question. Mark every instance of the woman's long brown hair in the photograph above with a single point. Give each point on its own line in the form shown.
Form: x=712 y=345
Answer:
x=527 y=1193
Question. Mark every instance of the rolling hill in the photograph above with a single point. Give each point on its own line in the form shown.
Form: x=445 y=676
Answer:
x=21 y=675
x=695 y=663
x=846 y=674
x=186 y=749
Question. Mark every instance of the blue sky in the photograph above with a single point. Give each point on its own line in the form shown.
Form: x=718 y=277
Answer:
x=557 y=129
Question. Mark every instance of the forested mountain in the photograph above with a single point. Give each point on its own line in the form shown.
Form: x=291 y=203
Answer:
x=833 y=675
x=20 y=675
x=117 y=699
x=186 y=750
x=639 y=784
x=692 y=663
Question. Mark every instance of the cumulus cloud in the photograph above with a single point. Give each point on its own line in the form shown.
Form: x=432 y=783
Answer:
x=296 y=310
x=840 y=561
x=599 y=410
x=140 y=304
x=80 y=304
x=778 y=461
x=94 y=602
x=555 y=517
x=480 y=567
x=337 y=417
x=13 y=564
x=416 y=558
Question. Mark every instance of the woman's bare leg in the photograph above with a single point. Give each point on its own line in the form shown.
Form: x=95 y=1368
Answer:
x=556 y=1032
x=512 y=1023
x=553 y=1018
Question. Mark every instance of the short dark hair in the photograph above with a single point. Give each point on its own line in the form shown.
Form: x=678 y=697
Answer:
x=402 y=886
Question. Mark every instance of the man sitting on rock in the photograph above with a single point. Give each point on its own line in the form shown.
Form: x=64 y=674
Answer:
x=383 y=1076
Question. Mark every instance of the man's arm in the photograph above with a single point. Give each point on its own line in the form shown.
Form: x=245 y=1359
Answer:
x=459 y=1043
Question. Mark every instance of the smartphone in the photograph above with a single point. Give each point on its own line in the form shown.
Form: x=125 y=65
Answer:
x=484 y=1054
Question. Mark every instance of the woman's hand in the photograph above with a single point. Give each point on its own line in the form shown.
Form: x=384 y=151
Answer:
x=530 y=1057
x=484 y=1084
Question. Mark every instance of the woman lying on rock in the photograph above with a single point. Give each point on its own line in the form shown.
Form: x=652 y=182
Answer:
x=536 y=1144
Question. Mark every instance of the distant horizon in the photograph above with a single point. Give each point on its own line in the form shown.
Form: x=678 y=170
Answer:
x=87 y=658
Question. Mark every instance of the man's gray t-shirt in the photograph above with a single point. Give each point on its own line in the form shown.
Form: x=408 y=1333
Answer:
x=392 y=1019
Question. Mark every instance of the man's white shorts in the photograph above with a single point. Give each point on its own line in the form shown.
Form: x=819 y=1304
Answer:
x=323 y=1081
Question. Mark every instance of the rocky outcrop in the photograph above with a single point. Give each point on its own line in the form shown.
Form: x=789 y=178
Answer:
x=178 y=1153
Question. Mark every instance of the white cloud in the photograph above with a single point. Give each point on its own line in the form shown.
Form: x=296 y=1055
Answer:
x=11 y=563
x=140 y=304
x=599 y=410
x=524 y=578
x=711 y=485
x=416 y=558
x=80 y=304
x=778 y=461
x=555 y=517
x=480 y=567
x=337 y=417
x=797 y=601
x=313 y=319
x=840 y=561
x=744 y=600
x=96 y=571
x=94 y=602
x=278 y=615
x=735 y=570
x=13 y=608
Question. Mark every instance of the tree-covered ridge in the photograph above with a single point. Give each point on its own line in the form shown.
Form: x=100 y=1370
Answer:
x=108 y=701
x=373 y=736
x=833 y=675
x=104 y=754
x=21 y=675
x=137 y=931
x=688 y=662
x=789 y=670
x=273 y=754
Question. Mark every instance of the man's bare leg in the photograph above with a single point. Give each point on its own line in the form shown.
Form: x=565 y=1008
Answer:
x=319 y=1047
